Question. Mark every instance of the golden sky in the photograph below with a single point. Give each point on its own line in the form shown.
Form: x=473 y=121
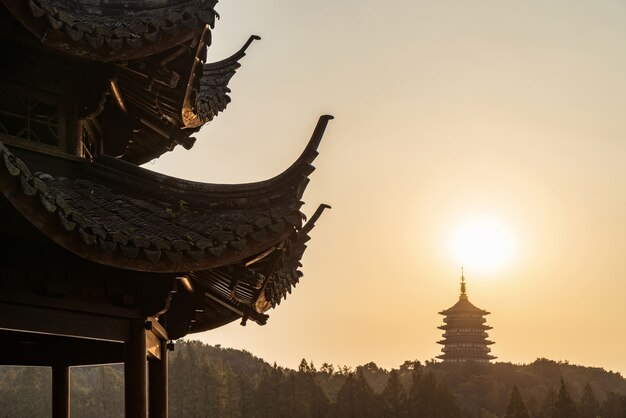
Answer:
x=446 y=110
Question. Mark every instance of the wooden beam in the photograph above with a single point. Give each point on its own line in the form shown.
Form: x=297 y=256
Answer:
x=61 y=322
x=157 y=385
x=60 y=391
x=31 y=349
x=135 y=384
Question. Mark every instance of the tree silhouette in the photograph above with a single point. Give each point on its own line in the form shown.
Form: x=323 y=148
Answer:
x=589 y=406
x=356 y=399
x=430 y=399
x=564 y=407
x=270 y=397
x=614 y=406
x=393 y=398
x=309 y=397
x=549 y=402
x=246 y=395
x=516 y=407
x=198 y=385
x=422 y=393
x=214 y=381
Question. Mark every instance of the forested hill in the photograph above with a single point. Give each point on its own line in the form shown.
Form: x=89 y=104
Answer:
x=218 y=382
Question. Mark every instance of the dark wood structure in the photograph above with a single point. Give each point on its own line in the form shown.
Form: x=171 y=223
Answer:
x=103 y=261
x=465 y=336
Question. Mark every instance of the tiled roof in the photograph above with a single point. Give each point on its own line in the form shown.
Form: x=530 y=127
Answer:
x=116 y=29
x=212 y=94
x=165 y=107
x=288 y=274
x=124 y=216
x=464 y=305
x=155 y=66
x=250 y=289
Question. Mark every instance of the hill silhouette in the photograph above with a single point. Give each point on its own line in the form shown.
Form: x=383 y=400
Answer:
x=214 y=381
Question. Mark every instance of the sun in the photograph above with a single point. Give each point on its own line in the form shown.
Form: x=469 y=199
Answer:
x=482 y=243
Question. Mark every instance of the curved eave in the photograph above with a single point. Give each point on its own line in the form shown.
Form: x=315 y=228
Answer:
x=465 y=357
x=115 y=30
x=452 y=311
x=464 y=306
x=464 y=323
x=124 y=216
x=210 y=96
x=248 y=290
x=466 y=337
x=171 y=109
x=238 y=194
x=447 y=341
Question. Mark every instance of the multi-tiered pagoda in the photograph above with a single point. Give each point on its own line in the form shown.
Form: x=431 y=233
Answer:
x=103 y=261
x=465 y=336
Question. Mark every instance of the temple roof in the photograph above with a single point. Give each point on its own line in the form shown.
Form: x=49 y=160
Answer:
x=124 y=216
x=466 y=355
x=249 y=289
x=146 y=62
x=463 y=306
x=113 y=30
x=166 y=104
x=135 y=75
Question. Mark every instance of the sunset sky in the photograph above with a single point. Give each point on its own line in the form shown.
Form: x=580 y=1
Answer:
x=494 y=115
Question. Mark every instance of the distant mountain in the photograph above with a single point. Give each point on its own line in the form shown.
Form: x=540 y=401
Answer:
x=214 y=381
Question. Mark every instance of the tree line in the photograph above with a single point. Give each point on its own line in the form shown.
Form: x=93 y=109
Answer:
x=210 y=381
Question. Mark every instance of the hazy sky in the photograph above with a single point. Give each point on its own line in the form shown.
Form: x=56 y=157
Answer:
x=445 y=110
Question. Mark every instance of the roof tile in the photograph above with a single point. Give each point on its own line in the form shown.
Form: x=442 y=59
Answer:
x=134 y=213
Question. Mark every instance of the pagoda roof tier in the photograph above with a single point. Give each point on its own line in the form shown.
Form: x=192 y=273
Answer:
x=463 y=324
x=123 y=216
x=451 y=336
x=466 y=356
x=483 y=350
x=463 y=306
x=113 y=30
x=466 y=335
x=463 y=351
x=465 y=319
x=465 y=339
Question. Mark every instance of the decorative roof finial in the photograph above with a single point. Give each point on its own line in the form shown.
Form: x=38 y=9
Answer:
x=463 y=294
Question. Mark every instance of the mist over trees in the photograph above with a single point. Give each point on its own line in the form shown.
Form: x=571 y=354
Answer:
x=210 y=381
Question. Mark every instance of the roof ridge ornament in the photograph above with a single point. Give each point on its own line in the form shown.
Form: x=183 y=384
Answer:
x=211 y=88
x=311 y=223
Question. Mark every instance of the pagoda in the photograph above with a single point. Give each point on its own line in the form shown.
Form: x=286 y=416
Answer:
x=101 y=260
x=465 y=336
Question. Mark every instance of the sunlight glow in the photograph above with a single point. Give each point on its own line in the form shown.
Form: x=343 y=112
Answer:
x=482 y=243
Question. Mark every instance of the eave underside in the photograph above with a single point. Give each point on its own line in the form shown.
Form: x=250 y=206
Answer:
x=240 y=245
x=466 y=357
x=36 y=272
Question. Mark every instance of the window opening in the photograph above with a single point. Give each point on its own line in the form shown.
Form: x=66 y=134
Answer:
x=30 y=117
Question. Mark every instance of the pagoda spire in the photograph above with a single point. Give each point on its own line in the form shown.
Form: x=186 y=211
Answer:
x=463 y=294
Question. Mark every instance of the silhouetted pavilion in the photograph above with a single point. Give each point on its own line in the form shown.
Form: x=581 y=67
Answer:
x=102 y=261
x=465 y=336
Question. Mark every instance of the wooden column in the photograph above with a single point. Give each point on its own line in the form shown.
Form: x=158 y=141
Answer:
x=60 y=391
x=157 y=384
x=135 y=371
